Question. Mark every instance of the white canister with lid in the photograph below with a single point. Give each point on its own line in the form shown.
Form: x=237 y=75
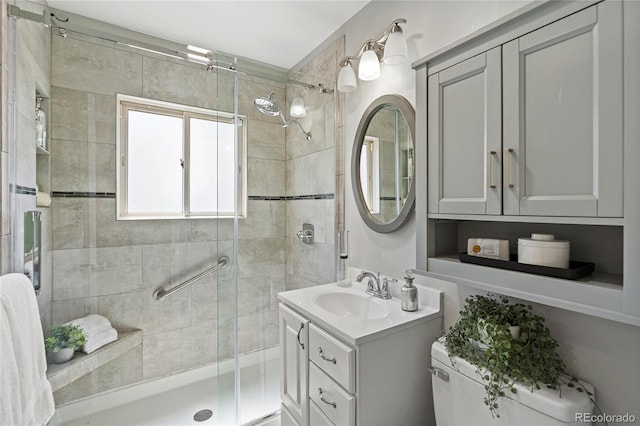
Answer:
x=543 y=250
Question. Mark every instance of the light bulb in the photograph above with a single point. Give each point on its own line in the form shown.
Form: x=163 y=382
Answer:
x=297 y=107
x=347 y=79
x=369 y=67
x=395 y=49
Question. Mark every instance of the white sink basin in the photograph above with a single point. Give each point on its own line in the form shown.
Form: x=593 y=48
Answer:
x=350 y=305
x=345 y=310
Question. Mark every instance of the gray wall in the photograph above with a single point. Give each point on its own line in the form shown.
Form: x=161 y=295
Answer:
x=602 y=352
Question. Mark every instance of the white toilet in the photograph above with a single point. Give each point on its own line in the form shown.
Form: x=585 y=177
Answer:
x=458 y=395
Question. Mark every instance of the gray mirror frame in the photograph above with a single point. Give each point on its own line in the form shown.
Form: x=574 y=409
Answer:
x=409 y=114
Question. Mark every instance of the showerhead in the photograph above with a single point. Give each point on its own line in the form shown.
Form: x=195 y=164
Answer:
x=267 y=105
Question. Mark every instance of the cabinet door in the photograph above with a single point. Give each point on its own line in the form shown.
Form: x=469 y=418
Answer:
x=562 y=117
x=465 y=132
x=286 y=419
x=294 y=364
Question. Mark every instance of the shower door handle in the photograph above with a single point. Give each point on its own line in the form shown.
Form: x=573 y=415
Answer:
x=299 y=331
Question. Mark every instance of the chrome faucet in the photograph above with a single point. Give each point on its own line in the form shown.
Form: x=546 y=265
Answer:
x=383 y=293
x=370 y=289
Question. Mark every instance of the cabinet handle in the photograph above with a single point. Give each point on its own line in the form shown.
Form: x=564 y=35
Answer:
x=299 y=331
x=490 y=154
x=331 y=403
x=332 y=360
x=507 y=166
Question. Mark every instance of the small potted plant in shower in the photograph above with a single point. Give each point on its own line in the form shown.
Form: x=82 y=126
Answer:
x=64 y=340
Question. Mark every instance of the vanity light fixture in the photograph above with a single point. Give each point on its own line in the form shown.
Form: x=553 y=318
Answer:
x=390 y=48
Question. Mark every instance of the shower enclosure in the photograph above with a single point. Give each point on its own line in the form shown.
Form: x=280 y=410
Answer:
x=134 y=210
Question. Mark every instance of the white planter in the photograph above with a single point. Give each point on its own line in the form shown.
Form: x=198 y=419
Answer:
x=63 y=355
x=485 y=340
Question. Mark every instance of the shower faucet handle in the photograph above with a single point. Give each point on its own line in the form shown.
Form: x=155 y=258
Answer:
x=306 y=233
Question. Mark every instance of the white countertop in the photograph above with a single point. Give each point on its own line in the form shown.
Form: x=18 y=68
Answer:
x=356 y=331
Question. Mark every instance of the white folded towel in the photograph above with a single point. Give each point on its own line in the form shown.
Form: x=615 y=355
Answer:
x=92 y=324
x=25 y=392
x=98 y=340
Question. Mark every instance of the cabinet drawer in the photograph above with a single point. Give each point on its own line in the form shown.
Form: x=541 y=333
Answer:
x=317 y=417
x=333 y=357
x=338 y=405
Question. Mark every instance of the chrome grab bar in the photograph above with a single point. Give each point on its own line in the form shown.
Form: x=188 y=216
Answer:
x=161 y=293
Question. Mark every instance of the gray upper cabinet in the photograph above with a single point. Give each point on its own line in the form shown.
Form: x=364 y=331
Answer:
x=465 y=137
x=563 y=109
x=532 y=127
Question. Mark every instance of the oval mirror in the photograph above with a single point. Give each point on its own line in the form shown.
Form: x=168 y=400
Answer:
x=382 y=163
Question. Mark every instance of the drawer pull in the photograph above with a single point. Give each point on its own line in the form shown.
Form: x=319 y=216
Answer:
x=333 y=360
x=299 y=331
x=331 y=403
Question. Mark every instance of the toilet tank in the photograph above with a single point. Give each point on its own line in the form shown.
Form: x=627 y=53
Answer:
x=460 y=399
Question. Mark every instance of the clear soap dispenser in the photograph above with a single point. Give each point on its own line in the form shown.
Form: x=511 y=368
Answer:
x=409 y=298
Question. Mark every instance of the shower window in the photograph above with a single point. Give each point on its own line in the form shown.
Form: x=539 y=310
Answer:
x=178 y=161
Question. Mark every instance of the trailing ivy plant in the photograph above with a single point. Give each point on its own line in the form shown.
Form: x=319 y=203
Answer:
x=503 y=360
x=65 y=336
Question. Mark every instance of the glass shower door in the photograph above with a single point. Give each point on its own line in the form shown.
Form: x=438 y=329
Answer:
x=98 y=261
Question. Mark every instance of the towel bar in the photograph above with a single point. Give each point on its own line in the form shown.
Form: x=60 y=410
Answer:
x=161 y=293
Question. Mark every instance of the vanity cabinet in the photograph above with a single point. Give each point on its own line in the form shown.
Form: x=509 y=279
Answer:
x=374 y=380
x=530 y=125
x=533 y=126
x=294 y=368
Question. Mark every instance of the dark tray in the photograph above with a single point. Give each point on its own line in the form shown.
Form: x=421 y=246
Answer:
x=575 y=271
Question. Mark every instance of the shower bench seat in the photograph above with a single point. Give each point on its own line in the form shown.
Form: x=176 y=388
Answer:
x=60 y=375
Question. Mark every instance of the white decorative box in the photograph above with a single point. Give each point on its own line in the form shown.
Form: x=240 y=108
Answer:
x=489 y=248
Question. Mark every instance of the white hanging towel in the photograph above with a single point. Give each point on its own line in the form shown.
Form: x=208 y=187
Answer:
x=25 y=393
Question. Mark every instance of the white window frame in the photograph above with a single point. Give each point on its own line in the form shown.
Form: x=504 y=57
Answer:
x=125 y=103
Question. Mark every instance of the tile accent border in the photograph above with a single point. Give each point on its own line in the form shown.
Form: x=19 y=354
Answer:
x=292 y=197
x=19 y=189
x=76 y=194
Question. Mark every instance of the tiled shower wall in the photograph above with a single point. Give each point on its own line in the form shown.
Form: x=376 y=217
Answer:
x=112 y=267
x=314 y=169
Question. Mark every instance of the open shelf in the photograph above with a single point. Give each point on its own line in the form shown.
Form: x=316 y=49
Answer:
x=599 y=294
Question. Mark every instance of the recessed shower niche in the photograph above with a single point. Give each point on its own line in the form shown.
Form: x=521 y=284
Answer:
x=43 y=157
